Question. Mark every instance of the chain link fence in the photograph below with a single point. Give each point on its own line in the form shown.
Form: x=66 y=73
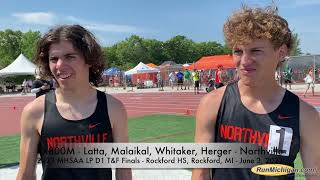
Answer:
x=301 y=65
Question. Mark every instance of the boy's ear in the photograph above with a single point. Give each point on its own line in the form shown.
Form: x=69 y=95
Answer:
x=282 y=52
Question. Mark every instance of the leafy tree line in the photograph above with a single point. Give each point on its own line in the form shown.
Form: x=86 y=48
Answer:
x=12 y=43
x=127 y=53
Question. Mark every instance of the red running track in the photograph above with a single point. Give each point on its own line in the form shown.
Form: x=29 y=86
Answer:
x=137 y=104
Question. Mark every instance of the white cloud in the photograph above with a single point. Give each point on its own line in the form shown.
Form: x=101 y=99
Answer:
x=40 y=18
x=49 y=19
x=104 y=27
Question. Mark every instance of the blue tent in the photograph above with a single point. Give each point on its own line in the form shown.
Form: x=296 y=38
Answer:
x=112 y=71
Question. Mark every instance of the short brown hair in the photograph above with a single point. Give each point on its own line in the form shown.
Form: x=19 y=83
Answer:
x=257 y=23
x=82 y=40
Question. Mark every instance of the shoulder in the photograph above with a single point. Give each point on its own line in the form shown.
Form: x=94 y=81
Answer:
x=214 y=97
x=113 y=102
x=210 y=104
x=118 y=119
x=309 y=119
x=307 y=112
x=33 y=112
x=207 y=114
x=116 y=109
x=309 y=134
x=35 y=107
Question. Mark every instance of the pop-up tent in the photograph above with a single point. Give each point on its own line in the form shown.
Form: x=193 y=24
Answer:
x=141 y=69
x=112 y=71
x=211 y=62
x=142 y=72
x=20 y=66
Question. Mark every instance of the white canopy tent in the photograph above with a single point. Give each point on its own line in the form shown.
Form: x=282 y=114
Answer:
x=140 y=69
x=20 y=66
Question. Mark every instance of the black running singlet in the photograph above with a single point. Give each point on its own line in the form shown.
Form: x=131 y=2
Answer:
x=56 y=129
x=279 y=128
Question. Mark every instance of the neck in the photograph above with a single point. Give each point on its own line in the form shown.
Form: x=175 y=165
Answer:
x=265 y=90
x=74 y=96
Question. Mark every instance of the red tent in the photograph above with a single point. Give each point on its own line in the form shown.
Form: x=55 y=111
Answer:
x=211 y=62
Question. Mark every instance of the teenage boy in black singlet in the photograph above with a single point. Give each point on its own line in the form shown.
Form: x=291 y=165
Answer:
x=256 y=104
x=75 y=111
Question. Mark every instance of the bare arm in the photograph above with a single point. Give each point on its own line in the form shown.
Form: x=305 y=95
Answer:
x=310 y=134
x=30 y=117
x=205 y=125
x=119 y=121
x=35 y=90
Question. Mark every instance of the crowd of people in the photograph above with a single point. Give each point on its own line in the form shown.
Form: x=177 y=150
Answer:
x=182 y=80
x=198 y=79
x=286 y=78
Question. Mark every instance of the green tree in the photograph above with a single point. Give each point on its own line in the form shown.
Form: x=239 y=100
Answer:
x=111 y=56
x=180 y=49
x=155 y=50
x=131 y=51
x=29 y=42
x=211 y=48
x=226 y=50
x=10 y=46
x=296 y=50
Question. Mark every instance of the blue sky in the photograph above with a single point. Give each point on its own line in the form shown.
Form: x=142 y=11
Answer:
x=114 y=20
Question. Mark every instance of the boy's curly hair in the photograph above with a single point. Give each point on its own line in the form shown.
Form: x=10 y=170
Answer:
x=82 y=40
x=248 y=24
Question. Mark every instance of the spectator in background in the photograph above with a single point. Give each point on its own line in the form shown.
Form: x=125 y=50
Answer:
x=155 y=81
x=219 y=76
x=210 y=85
x=309 y=80
x=40 y=86
x=160 y=81
x=196 y=80
x=211 y=74
x=287 y=77
x=187 y=79
x=172 y=79
x=201 y=78
x=24 y=87
x=29 y=84
x=179 y=76
x=116 y=80
x=111 y=82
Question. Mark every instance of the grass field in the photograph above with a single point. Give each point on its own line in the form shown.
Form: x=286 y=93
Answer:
x=151 y=129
